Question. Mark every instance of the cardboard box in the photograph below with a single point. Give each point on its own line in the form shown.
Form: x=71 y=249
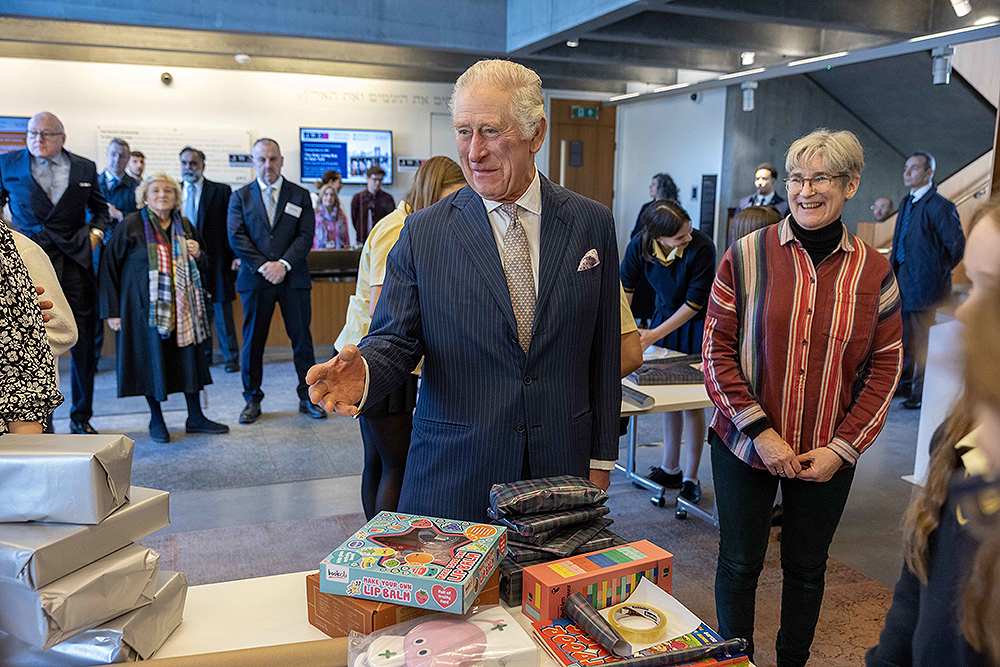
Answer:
x=37 y=554
x=416 y=561
x=604 y=577
x=337 y=615
x=63 y=478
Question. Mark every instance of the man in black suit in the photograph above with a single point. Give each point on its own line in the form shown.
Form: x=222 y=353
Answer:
x=119 y=189
x=206 y=205
x=50 y=192
x=271 y=226
x=764 y=178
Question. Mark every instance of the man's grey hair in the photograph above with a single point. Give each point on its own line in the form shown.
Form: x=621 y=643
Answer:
x=118 y=141
x=527 y=103
x=267 y=140
x=928 y=159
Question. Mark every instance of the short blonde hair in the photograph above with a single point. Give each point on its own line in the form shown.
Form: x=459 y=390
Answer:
x=527 y=103
x=336 y=197
x=840 y=152
x=143 y=190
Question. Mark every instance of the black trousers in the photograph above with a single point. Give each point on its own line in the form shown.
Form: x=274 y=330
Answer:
x=916 y=332
x=225 y=330
x=744 y=497
x=80 y=287
x=296 y=310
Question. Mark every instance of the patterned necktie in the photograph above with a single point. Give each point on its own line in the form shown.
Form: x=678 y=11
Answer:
x=189 y=211
x=45 y=177
x=112 y=182
x=270 y=204
x=904 y=219
x=520 y=280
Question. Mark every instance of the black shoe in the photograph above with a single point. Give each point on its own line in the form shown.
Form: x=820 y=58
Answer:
x=911 y=404
x=690 y=491
x=232 y=366
x=776 y=515
x=204 y=425
x=82 y=428
x=250 y=412
x=158 y=432
x=311 y=409
x=667 y=480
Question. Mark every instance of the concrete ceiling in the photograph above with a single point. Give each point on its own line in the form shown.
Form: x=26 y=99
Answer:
x=619 y=40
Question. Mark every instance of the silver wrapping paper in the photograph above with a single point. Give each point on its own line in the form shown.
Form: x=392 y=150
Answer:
x=110 y=587
x=63 y=478
x=128 y=638
x=39 y=553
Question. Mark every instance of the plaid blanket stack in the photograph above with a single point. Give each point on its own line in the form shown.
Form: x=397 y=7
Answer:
x=549 y=518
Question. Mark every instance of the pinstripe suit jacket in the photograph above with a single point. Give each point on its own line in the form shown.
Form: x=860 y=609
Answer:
x=483 y=402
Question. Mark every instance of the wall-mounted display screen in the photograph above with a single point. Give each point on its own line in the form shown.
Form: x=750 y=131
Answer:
x=13 y=133
x=351 y=152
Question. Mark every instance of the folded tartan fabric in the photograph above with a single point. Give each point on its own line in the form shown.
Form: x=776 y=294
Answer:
x=669 y=370
x=534 y=524
x=531 y=496
x=603 y=540
x=565 y=542
x=511 y=581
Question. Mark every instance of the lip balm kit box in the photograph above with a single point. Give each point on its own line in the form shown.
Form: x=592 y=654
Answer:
x=416 y=561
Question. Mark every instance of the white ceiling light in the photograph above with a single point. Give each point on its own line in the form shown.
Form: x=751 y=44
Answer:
x=733 y=75
x=242 y=58
x=986 y=20
x=961 y=7
x=573 y=43
x=747 y=58
x=626 y=96
x=816 y=59
x=674 y=86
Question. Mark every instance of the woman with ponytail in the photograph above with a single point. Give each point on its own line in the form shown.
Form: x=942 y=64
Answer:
x=946 y=607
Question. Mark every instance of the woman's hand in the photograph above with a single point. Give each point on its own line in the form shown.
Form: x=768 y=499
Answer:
x=115 y=323
x=193 y=248
x=819 y=465
x=777 y=454
x=647 y=337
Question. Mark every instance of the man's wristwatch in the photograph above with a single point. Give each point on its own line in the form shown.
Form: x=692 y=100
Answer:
x=98 y=232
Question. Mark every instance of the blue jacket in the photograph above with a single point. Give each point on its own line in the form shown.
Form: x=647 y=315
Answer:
x=483 y=402
x=121 y=197
x=62 y=225
x=933 y=246
x=255 y=242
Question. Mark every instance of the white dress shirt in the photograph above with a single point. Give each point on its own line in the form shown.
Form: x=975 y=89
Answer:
x=765 y=200
x=920 y=192
x=529 y=212
x=275 y=193
x=59 y=170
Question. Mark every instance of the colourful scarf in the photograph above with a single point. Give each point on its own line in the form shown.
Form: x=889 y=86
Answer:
x=176 y=298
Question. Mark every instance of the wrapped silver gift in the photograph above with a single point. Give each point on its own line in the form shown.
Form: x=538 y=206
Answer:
x=63 y=478
x=84 y=599
x=128 y=638
x=39 y=553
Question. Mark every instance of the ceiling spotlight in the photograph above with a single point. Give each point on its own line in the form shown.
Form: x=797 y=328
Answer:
x=986 y=20
x=961 y=7
x=242 y=58
x=941 y=65
x=748 y=88
x=747 y=57
x=573 y=43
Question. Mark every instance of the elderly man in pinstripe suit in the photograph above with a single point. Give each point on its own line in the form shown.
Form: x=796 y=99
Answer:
x=509 y=289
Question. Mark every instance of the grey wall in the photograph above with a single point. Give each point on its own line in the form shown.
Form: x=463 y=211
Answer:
x=786 y=109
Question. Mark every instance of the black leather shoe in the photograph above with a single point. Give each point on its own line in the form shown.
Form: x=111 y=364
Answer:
x=159 y=432
x=82 y=428
x=232 y=367
x=205 y=425
x=690 y=491
x=911 y=404
x=665 y=479
x=250 y=412
x=311 y=409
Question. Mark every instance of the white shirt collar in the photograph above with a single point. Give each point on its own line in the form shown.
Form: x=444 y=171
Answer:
x=768 y=198
x=920 y=192
x=108 y=175
x=277 y=185
x=59 y=160
x=531 y=200
x=200 y=183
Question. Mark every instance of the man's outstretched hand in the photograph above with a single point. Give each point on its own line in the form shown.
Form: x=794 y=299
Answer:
x=338 y=384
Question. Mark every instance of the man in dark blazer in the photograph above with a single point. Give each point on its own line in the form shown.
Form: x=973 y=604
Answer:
x=928 y=243
x=51 y=191
x=514 y=386
x=119 y=189
x=764 y=178
x=271 y=226
x=206 y=205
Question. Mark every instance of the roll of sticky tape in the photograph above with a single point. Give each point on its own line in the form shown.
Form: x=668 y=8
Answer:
x=644 y=613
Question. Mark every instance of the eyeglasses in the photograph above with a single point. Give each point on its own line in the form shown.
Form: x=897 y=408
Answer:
x=43 y=135
x=820 y=184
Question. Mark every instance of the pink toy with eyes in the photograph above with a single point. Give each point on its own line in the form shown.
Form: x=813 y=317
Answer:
x=445 y=643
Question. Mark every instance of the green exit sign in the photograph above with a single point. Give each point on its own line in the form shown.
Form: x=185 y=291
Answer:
x=583 y=112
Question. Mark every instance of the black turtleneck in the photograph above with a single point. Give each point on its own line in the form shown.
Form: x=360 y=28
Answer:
x=819 y=243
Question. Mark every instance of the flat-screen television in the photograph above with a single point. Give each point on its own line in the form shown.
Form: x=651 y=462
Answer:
x=351 y=152
x=13 y=132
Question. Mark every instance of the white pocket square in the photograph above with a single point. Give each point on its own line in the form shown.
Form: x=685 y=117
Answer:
x=589 y=261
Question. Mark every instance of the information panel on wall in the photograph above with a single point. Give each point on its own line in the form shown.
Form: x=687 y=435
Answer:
x=13 y=133
x=350 y=152
x=162 y=146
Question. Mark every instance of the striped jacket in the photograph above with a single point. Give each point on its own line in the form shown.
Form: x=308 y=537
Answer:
x=815 y=350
